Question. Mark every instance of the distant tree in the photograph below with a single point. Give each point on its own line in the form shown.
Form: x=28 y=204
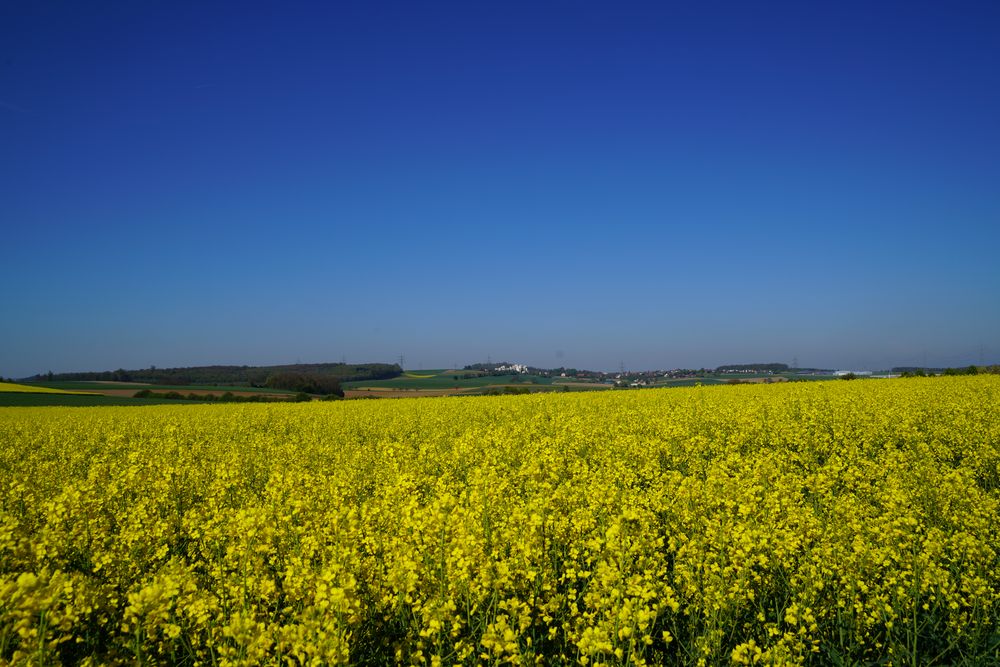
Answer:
x=762 y=368
x=305 y=383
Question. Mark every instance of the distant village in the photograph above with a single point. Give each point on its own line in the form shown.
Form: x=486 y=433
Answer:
x=729 y=374
x=736 y=373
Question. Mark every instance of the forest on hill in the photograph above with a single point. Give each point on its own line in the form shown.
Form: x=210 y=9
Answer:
x=235 y=375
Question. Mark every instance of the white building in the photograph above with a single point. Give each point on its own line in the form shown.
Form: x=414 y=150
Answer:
x=513 y=368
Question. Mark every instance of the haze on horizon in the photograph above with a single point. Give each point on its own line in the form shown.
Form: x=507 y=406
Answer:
x=557 y=184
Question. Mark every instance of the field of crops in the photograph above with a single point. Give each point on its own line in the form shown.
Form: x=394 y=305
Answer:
x=14 y=388
x=447 y=380
x=136 y=386
x=820 y=523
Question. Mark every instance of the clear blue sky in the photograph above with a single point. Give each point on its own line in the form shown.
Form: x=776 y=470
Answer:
x=661 y=184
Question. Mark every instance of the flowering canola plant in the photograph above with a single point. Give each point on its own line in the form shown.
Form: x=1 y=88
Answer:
x=806 y=523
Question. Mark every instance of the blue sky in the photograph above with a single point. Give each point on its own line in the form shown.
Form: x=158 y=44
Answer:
x=580 y=184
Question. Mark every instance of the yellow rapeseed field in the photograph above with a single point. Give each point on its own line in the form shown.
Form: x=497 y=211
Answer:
x=807 y=523
x=35 y=389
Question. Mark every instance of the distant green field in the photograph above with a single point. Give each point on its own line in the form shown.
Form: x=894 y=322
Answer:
x=88 y=386
x=750 y=376
x=70 y=400
x=726 y=379
x=503 y=389
x=184 y=389
x=203 y=388
x=447 y=381
x=687 y=382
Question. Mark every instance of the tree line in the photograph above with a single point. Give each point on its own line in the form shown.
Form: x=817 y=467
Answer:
x=307 y=383
x=912 y=372
x=255 y=376
x=758 y=368
x=227 y=397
